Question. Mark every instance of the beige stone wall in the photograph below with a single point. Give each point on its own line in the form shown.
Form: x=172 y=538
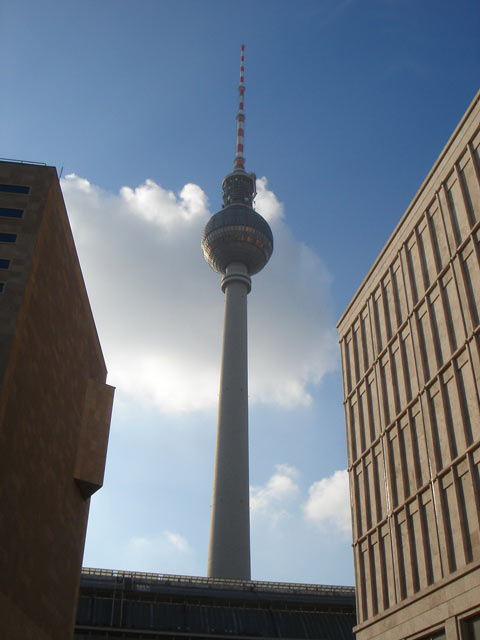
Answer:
x=410 y=344
x=50 y=419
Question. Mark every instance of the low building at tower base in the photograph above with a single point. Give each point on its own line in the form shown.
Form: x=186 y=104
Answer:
x=126 y=604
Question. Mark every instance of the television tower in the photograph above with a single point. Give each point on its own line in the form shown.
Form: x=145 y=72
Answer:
x=237 y=243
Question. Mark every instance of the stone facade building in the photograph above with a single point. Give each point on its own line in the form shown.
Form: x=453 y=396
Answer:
x=410 y=345
x=54 y=408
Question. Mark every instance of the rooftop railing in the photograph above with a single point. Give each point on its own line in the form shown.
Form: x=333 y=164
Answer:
x=223 y=583
x=43 y=164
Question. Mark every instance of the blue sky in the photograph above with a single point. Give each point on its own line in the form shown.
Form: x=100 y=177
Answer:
x=349 y=103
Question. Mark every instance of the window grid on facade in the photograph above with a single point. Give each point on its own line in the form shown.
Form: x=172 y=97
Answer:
x=411 y=358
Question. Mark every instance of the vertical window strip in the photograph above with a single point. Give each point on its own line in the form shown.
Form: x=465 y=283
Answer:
x=472 y=215
x=366 y=362
x=426 y=543
x=462 y=516
x=462 y=400
x=343 y=352
x=452 y=214
x=411 y=275
x=412 y=548
x=395 y=297
x=415 y=448
x=433 y=323
x=447 y=412
x=442 y=217
x=361 y=421
x=475 y=478
x=467 y=202
x=473 y=158
x=434 y=242
x=422 y=258
x=356 y=363
x=373 y=577
x=400 y=573
x=468 y=288
x=383 y=570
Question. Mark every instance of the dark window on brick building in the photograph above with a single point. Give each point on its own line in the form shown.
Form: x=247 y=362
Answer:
x=471 y=628
x=8 y=237
x=438 y=635
x=10 y=213
x=14 y=188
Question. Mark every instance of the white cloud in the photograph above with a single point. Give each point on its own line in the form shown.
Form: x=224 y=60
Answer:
x=168 y=552
x=167 y=540
x=159 y=308
x=273 y=498
x=177 y=541
x=267 y=203
x=328 y=502
x=161 y=207
x=327 y=505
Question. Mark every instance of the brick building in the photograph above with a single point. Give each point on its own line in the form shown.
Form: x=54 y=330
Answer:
x=54 y=407
x=410 y=344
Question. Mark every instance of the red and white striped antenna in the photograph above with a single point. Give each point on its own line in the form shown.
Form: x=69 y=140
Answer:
x=239 y=162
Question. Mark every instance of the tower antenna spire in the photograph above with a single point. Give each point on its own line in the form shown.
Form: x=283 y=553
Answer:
x=239 y=162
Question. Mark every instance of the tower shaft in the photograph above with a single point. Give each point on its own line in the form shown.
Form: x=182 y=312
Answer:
x=229 y=552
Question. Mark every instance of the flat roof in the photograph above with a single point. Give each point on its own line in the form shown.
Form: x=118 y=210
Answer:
x=259 y=586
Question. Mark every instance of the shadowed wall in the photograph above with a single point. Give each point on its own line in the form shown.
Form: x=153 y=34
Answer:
x=54 y=411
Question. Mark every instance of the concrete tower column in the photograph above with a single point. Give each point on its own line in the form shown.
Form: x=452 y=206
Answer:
x=229 y=552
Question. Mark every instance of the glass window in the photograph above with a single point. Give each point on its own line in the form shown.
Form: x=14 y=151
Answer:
x=2 y=287
x=11 y=213
x=4 y=264
x=14 y=188
x=8 y=237
x=471 y=628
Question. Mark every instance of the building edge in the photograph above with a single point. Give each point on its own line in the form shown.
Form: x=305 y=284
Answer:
x=55 y=407
x=449 y=148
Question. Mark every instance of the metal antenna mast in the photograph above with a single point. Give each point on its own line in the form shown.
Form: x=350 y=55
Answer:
x=239 y=162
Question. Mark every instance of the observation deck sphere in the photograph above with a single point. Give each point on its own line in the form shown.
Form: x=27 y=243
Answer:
x=237 y=233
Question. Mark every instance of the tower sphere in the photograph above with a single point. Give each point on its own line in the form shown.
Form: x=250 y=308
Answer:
x=237 y=233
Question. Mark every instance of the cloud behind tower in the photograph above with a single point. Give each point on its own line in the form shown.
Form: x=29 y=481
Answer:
x=158 y=312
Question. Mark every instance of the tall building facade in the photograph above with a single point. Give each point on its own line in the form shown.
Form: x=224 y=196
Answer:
x=54 y=408
x=410 y=345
